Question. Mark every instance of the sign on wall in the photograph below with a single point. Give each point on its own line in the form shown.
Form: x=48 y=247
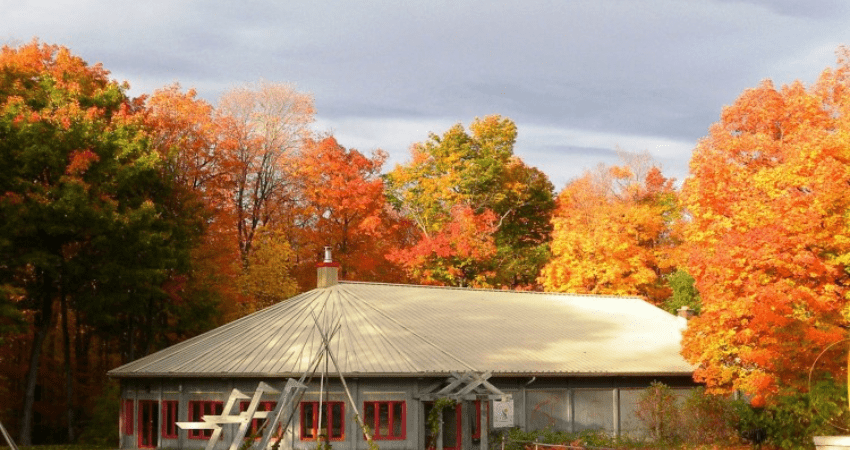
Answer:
x=503 y=413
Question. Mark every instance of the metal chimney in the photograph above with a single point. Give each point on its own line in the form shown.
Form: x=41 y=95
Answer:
x=327 y=271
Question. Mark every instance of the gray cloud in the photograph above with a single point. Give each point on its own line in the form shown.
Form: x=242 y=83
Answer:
x=578 y=77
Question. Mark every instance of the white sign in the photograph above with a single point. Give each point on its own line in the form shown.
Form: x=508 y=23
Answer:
x=503 y=413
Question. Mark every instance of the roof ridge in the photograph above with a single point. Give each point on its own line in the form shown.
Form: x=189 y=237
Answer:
x=509 y=291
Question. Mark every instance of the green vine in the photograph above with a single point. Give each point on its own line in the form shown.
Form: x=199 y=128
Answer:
x=366 y=432
x=435 y=417
x=322 y=442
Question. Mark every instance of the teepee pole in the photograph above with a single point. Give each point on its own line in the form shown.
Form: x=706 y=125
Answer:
x=7 y=437
x=342 y=379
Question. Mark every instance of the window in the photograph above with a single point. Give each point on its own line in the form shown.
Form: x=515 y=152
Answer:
x=476 y=421
x=169 y=419
x=386 y=419
x=197 y=411
x=127 y=417
x=333 y=420
x=257 y=423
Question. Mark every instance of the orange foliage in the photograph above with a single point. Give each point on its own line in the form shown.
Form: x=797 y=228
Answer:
x=343 y=206
x=451 y=253
x=769 y=239
x=613 y=233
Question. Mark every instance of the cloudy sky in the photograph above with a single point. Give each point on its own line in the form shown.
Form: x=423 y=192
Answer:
x=580 y=78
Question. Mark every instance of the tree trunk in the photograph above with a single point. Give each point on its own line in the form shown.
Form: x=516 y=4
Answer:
x=42 y=327
x=69 y=379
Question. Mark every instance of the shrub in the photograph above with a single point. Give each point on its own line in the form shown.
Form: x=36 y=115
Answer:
x=657 y=410
x=709 y=418
x=794 y=417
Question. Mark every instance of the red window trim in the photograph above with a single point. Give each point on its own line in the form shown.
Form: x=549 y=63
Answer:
x=326 y=420
x=207 y=407
x=147 y=429
x=256 y=423
x=375 y=426
x=128 y=417
x=169 y=427
x=476 y=428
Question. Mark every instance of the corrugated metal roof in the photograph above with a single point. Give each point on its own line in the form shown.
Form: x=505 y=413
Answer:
x=405 y=330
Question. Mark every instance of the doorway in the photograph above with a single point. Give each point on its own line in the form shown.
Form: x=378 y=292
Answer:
x=451 y=428
x=148 y=423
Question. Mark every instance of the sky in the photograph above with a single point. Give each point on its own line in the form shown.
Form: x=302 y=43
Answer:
x=581 y=79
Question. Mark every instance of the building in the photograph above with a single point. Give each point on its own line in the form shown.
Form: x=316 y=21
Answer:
x=571 y=362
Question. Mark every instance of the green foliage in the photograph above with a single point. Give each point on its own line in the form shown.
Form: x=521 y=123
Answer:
x=684 y=292
x=795 y=417
x=100 y=430
x=516 y=439
x=370 y=443
x=474 y=170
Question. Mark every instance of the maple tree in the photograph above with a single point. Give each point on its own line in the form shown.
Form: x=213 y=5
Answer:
x=481 y=214
x=614 y=232
x=190 y=135
x=768 y=241
x=89 y=223
x=343 y=206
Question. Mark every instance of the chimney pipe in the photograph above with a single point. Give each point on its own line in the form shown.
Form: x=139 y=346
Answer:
x=327 y=271
x=686 y=312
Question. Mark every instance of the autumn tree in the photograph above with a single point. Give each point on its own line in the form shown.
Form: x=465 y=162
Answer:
x=343 y=206
x=191 y=137
x=268 y=279
x=481 y=214
x=614 y=232
x=768 y=236
x=265 y=126
x=87 y=223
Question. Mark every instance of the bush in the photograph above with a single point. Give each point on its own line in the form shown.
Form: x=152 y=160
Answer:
x=657 y=410
x=708 y=418
x=795 y=417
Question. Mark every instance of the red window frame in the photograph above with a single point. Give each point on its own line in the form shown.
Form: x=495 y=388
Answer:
x=310 y=416
x=197 y=410
x=127 y=417
x=257 y=423
x=476 y=426
x=148 y=423
x=169 y=419
x=372 y=418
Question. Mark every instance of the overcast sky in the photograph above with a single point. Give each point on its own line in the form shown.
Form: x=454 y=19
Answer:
x=580 y=78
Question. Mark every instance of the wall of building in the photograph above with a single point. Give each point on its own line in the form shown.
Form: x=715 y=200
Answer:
x=570 y=404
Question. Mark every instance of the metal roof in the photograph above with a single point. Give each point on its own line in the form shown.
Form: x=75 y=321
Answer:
x=404 y=330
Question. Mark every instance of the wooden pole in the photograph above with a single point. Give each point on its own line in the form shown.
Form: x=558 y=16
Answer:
x=342 y=379
x=7 y=437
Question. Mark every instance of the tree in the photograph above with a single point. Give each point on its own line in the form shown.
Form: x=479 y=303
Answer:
x=268 y=278
x=614 y=233
x=265 y=125
x=462 y=184
x=190 y=136
x=343 y=206
x=86 y=218
x=768 y=236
